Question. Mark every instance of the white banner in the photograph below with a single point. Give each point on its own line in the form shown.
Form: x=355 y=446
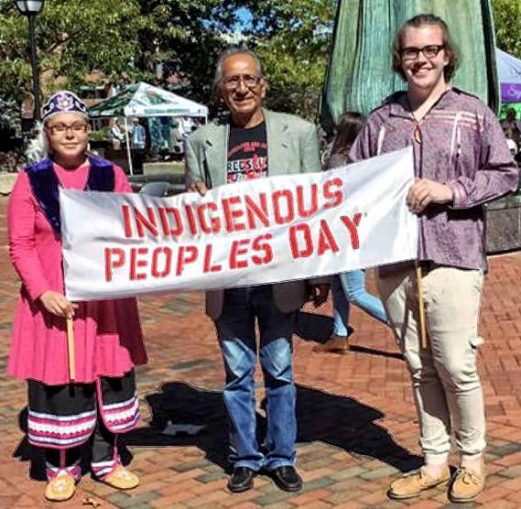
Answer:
x=254 y=232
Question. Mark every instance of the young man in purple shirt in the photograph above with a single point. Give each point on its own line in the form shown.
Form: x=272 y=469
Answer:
x=461 y=161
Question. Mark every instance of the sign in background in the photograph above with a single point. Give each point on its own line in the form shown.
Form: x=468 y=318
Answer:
x=254 y=232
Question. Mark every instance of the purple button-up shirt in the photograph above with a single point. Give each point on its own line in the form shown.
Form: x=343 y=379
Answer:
x=460 y=143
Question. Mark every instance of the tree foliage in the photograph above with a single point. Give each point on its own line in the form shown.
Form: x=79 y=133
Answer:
x=507 y=17
x=185 y=37
x=129 y=39
x=74 y=37
x=293 y=40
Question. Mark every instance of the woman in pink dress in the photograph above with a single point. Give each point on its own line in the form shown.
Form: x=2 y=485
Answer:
x=102 y=401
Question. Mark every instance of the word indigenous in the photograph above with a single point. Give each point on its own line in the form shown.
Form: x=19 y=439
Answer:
x=233 y=213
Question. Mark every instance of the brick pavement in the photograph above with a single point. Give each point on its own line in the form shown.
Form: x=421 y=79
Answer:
x=357 y=426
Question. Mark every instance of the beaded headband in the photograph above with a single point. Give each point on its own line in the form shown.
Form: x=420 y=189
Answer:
x=63 y=102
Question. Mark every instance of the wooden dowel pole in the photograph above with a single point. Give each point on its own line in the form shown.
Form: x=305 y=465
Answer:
x=421 y=307
x=70 y=349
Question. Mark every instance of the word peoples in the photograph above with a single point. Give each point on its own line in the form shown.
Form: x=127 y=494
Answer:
x=159 y=262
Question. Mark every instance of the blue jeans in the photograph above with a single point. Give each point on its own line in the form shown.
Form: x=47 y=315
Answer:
x=236 y=333
x=353 y=284
x=340 y=308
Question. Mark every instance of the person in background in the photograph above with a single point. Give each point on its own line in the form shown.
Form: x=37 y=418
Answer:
x=138 y=141
x=461 y=161
x=139 y=137
x=101 y=403
x=187 y=124
x=252 y=143
x=511 y=126
x=177 y=136
x=349 y=287
x=165 y=133
x=116 y=135
x=512 y=146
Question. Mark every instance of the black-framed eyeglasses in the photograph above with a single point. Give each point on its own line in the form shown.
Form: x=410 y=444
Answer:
x=429 y=51
x=77 y=128
x=233 y=82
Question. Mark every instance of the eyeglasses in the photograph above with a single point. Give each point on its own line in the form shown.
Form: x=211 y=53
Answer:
x=76 y=128
x=429 y=51
x=233 y=82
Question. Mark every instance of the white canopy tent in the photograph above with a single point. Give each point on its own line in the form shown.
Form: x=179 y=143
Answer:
x=509 y=71
x=144 y=100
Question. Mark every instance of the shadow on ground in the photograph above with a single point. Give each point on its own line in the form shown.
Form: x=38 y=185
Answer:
x=27 y=452
x=339 y=421
x=350 y=425
x=318 y=328
x=336 y=420
x=183 y=405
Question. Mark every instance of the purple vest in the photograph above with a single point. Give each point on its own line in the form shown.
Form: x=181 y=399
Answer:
x=45 y=185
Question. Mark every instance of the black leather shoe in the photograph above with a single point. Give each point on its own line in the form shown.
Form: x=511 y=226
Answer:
x=241 y=479
x=286 y=478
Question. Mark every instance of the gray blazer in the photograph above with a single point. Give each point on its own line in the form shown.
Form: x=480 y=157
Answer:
x=292 y=148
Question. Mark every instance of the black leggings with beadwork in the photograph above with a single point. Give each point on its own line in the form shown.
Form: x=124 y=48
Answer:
x=63 y=417
x=103 y=443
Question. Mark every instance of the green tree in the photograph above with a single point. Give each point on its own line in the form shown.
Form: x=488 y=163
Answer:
x=129 y=39
x=507 y=17
x=74 y=37
x=185 y=37
x=293 y=39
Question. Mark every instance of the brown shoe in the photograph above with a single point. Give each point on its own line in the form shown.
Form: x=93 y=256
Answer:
x=121 y=479
x=60 y=488
x=467 y=485
x=412 y=484
x=335 y=344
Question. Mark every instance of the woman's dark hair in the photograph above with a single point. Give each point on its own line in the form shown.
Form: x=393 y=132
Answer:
x=347 y=129
x=419 y=21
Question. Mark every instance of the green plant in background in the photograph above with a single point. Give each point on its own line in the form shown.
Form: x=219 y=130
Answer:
x=100 y=134
x=10 y=123
x=508 y=106
x=11 y=161
x=507 y=17
x=292 y=39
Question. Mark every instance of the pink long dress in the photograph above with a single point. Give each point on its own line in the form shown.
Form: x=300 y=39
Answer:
x=108 y=336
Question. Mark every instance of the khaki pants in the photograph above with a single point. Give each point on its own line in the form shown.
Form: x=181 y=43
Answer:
x=445 y=379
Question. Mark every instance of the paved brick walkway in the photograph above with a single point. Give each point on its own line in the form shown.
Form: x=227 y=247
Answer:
x=357 y=426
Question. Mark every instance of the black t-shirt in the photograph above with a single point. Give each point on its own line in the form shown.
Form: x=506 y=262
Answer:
x=247 y=153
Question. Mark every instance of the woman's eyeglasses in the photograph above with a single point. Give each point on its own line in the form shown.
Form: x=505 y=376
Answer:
x=77 y=128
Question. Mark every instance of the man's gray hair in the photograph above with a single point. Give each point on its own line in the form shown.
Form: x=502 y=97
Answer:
x=235 y=50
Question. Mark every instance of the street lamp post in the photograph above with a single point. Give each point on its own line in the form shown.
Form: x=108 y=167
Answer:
x=31 y=9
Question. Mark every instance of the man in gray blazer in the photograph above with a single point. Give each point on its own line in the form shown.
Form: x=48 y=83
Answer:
x=254 y=143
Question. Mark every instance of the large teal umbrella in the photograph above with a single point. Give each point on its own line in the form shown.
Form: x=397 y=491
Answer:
x=359 y=75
